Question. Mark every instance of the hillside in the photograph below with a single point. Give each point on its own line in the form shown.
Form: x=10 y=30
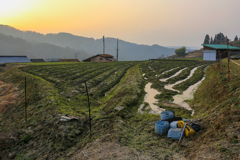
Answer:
x=116 y=134
x=127 y=51
x=10 y=45
x=195 y=53
x=235 y=43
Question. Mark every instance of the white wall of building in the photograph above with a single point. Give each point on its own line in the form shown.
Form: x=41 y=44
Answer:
x=209 y=55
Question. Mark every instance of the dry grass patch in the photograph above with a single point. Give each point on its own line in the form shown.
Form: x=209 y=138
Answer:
x=8 y=96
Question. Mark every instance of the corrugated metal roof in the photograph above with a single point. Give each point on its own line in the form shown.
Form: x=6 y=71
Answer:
x=11 y=56
x=13 y=59
x=37 y=60
x=220 y=46
x=107 y=55
x=69 y=60
x=102 y=55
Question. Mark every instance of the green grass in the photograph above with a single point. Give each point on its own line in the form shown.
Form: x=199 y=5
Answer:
x=191 y=59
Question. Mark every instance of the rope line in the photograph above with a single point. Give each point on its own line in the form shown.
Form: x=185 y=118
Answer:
x=235 y=63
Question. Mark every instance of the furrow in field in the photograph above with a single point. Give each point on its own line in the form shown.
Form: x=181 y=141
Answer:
x=95 y=70
x=177 y=73
x=100 y=78
x=184 y=74
x=149 y=98
x=187 y=94
x=169 y=70
x=109 y=83
x=170 y=86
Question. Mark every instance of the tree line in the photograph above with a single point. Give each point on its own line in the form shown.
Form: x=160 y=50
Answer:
x=218 y=39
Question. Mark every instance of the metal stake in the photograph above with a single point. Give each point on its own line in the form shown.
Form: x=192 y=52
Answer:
x=228 y=60
x=88 y=107
x=25 y=98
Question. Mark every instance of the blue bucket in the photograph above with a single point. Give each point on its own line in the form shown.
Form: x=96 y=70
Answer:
x=167 y=115
x=161 y=127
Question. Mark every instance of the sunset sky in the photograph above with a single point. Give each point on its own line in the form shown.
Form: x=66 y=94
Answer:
x=163 y=22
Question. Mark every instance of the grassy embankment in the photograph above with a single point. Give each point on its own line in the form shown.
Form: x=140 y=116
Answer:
x=43 y=135
x=216 y=101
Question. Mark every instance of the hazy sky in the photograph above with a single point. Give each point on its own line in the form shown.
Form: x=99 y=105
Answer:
x=163 y=22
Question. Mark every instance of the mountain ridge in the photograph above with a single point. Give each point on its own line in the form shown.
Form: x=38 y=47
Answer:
x=91 y=46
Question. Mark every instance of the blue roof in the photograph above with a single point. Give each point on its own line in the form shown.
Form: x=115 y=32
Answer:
x=13 y=59
x=220 y=46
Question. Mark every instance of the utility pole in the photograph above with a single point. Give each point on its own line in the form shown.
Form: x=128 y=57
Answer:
x=103 y=46
x=228 y=60
x=76 y=55
x=117 y=50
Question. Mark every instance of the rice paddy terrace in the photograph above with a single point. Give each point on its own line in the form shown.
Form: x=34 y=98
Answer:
x=143 y=89
x=70 y=80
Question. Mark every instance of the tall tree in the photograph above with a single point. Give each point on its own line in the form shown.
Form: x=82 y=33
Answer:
x=181 y=52
x=215 y=39
x=211 y=41
x=207 y=39
x=236 y=38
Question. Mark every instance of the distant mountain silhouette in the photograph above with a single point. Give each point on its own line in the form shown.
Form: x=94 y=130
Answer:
x=127 y=50
x=17 y=46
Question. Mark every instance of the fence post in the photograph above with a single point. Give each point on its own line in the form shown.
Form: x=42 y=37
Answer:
x=88 y=107
x=228 y=60
x=25 y=99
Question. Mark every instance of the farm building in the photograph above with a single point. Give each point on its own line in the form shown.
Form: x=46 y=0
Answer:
x=13 y=59
x=100 y=58
x=37 y=60
x=69 y=60
x=215 y=52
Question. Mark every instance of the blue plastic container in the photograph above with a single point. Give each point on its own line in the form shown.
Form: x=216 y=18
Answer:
x=167 y=115
x=161 y=127
x=174 y=133
x=173 y=124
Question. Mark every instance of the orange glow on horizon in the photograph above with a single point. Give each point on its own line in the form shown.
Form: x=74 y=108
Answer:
x=140 y=21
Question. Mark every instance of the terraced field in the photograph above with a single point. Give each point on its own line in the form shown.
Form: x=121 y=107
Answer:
x=171 y=78
x=102 y=77
x=69 y=79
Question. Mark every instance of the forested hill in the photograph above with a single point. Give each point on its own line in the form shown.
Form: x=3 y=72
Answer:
x=127 y=50
x=17 y=46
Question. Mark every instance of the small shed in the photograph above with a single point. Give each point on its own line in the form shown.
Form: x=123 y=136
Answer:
x=13 y=59
x=215 y=52
x=69 y=60
x=37 y=60
x=100 y=58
